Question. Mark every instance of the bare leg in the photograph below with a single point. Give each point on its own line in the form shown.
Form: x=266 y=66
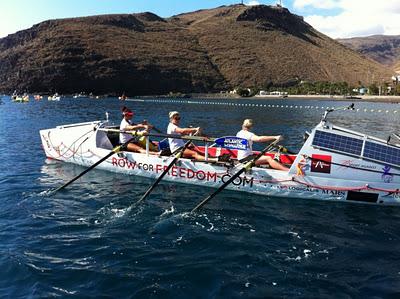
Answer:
x=131 y=147
x=274 y=164
x=188 y=153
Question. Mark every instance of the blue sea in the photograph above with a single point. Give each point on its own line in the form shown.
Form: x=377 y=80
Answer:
x=87 y=241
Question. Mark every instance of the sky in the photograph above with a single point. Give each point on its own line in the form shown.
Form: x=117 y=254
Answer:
x=335 y=18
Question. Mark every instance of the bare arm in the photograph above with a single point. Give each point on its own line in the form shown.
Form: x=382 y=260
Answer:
x=186 y=131
x=138 y=126
x=256 y=138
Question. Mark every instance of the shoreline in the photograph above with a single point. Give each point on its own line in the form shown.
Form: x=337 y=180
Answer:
x=219 y=96
x=361 y=98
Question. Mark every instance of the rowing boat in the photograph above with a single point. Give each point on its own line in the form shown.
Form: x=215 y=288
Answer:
x=334 y=163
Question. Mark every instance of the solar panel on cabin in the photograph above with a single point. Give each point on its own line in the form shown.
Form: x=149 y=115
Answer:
x=382 y=152
x=337 y=142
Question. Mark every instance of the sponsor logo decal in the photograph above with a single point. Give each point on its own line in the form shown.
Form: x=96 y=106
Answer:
x=182 y=172
x=347 y=164
x=321 y=163
x=232 y=142
x=387 y=177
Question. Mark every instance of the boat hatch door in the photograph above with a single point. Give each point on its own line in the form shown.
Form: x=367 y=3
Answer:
x=102 y=140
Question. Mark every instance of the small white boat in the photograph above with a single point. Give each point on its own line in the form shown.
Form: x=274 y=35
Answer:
x=334 y=164
x=80 y=95
x=55 y=97
x=20 y=99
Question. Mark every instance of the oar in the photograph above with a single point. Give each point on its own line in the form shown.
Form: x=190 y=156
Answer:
x=285 y=150
x=175 y=136
x=157 y=130
x=152 y=127
x=115 y=150
x=246 y=167
x=177 y=156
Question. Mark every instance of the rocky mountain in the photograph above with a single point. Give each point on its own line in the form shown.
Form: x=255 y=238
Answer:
x=201 y=51
x=384 y=49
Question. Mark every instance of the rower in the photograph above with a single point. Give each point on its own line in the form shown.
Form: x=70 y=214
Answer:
x=247 y=154
x=175 y=144
x=128 y=125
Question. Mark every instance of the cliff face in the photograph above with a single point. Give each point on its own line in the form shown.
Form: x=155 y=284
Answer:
x=202 y=51
x=384 y=49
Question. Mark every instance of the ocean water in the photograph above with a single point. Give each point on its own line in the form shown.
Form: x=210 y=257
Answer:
x=89 y=242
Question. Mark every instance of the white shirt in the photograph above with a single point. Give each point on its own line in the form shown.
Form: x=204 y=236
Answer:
x=174 y=144
x=123 y=137
x=241 y=154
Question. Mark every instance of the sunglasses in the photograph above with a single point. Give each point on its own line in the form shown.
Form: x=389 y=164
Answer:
x=177 y=117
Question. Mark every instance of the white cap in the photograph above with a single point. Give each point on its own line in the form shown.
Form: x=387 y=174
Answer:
x=173 y=113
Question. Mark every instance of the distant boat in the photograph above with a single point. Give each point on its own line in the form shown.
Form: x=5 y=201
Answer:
x=14 y=95
x=20 y=99
x=123 y=97
x=80 y=95
x=353 y=98
x=37 y=97
x=55 y=97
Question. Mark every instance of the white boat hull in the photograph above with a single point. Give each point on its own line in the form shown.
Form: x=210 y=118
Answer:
x=84 y=145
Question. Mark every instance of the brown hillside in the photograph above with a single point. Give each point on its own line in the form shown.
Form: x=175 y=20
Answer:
x=396 y=67
x=384 y=49
x=202 y=51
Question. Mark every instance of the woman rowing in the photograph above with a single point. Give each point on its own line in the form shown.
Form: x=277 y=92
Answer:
x=175 y=143
x=128 y=125
x=247 y=155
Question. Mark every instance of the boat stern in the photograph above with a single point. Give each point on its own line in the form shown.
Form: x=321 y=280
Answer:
x=64 y=142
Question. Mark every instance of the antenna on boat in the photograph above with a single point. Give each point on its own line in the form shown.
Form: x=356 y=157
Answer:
x=396 y=136
x=329 y=110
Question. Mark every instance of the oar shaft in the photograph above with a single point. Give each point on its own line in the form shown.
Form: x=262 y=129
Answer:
x=222 y=187
x=176 y=158
x=84 y=172
x=184 y=137
x=115 y=150
x=247 y=166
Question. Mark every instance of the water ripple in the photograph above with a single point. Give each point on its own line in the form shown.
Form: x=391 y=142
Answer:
x=90 y=240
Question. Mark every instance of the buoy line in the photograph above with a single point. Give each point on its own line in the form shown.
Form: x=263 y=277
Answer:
x=173 y=101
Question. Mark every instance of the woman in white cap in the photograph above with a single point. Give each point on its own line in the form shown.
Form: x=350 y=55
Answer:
x=175 y=143
x=247 y=155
